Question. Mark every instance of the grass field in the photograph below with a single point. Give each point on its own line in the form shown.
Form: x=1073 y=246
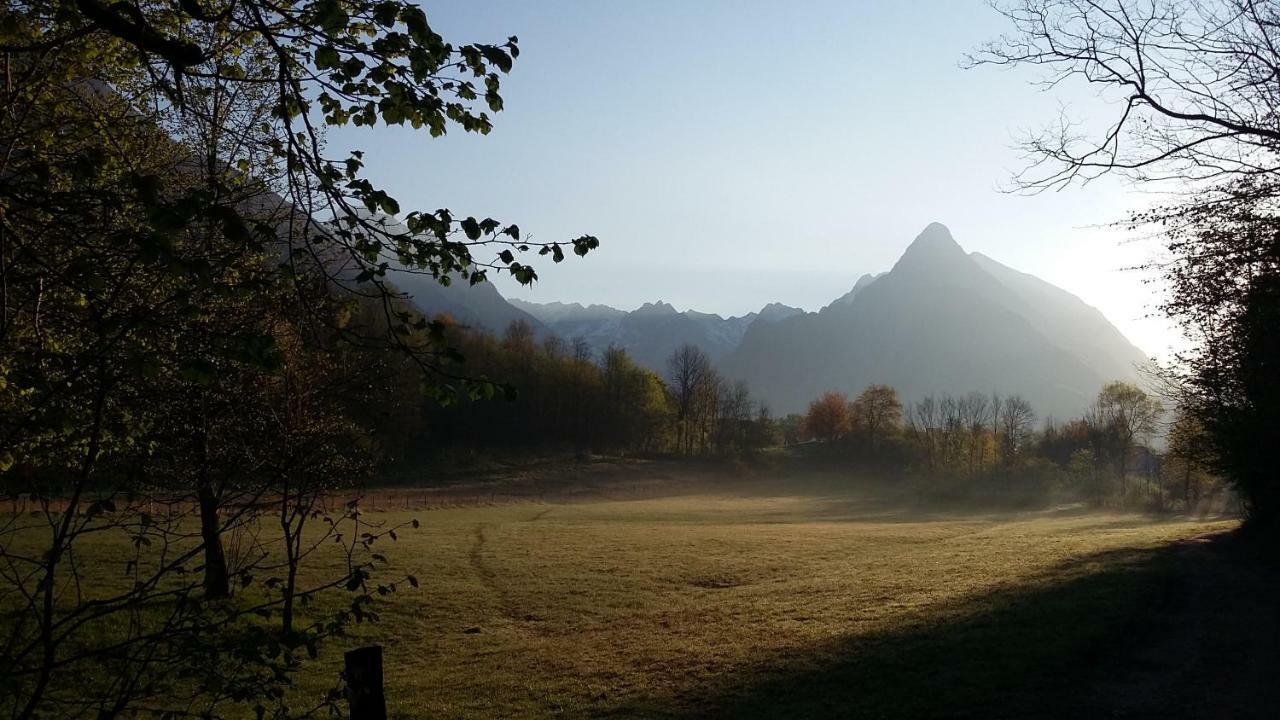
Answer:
x=747 y=602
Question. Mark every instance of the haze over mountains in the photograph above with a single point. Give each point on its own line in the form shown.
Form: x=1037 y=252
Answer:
x=942 y=320
x=480 y=306
x=653 y=331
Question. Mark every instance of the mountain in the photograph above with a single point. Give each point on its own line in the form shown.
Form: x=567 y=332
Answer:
x=1069 y=320
x=774 y=312
x=479 y=306
x=942 y=320
x=557 y=312
x=862 y=283
x=653 y=331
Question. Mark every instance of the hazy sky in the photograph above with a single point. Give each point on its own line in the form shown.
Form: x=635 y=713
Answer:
x=729 y=153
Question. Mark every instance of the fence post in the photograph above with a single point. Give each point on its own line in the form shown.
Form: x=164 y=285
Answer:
x=364 y=683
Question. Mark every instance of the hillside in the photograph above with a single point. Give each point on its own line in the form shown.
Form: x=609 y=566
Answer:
x=480 y=306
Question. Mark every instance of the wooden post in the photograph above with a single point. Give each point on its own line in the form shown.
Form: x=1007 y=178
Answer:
x=364 y=683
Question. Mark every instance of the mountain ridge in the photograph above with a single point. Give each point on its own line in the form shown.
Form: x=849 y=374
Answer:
x=651 y=332
x=942 y=320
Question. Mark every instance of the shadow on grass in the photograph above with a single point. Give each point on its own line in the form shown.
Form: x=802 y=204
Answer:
x=1023 y=651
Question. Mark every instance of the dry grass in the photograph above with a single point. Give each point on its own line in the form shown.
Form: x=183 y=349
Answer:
x=756 y=604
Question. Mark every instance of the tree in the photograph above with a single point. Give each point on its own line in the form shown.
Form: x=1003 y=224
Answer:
x=925 y=424
x=1189 y=458
x=1129 y=415
x=974 y=409
x=690 y=379
x=1015 y=419
x=1197 y=95
x=1223 y=274
x=636 y=412
x=171 y=231
x=828 y=417
x=733 y=415
x=764 y=431
x=792 y=429
x=877 y=412
x=1191 y=83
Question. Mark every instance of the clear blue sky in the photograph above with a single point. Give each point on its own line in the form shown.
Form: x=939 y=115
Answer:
x=734 y=153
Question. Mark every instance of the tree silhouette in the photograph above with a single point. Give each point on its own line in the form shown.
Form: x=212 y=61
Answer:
x=876 y=412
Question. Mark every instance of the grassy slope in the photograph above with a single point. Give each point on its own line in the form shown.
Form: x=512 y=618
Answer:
x=749 y=605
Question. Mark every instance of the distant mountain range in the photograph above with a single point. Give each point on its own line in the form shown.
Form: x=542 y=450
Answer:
x=942 y=320
x=653 y=331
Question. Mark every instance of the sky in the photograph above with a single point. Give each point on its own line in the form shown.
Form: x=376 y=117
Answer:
x=733 y=153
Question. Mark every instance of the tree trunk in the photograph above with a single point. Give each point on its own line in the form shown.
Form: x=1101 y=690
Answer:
x=1186 y=483
x=217 y=584
x=1124 y=462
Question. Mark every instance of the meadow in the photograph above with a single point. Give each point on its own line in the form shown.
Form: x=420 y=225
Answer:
x=767 y=599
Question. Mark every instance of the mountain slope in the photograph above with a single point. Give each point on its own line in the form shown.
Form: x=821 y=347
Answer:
x=653 y=331
x=858 y=287
x=479 y=306
x=556 y=312
x=938 y=322
x=1068 y=320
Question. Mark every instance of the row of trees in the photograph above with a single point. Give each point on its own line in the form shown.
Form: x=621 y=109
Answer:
x=570 y=400
x=991 y=442
x=566 y=399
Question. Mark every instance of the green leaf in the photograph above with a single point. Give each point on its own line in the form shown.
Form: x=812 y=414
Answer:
x=327 y=58
x=384 y=13
x=585 y=244
x=471 y=228
x=330 y=15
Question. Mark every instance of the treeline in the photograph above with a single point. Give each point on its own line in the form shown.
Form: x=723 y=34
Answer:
x=565 y=399
x=989 y=444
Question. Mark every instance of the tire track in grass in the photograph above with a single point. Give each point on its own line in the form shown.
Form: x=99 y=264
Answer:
x=487 y=576
x=492 y=581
